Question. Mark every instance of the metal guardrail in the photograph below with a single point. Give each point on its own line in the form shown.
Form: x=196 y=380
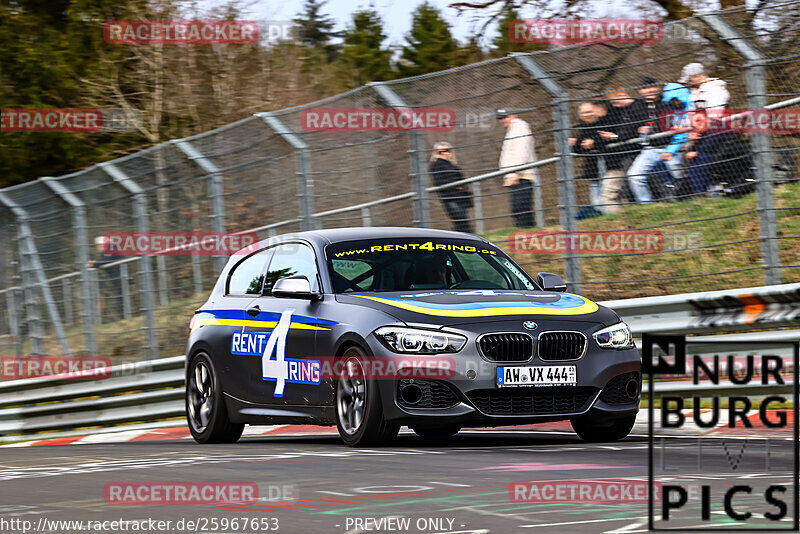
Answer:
x=153 y=390
x=727 y=310
x=128 y=393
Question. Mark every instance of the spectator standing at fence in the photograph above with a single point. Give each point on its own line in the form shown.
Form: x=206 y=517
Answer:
x=617 y=126
x=114 y=308
x=653 y=115
x=518 y=149
x=707 y=93
x=458 y=199
x=587 y=143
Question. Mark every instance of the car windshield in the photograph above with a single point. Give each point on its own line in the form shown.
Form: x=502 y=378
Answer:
x=381 y=265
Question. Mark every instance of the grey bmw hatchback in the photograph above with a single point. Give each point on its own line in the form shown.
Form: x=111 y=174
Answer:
x=371 y=329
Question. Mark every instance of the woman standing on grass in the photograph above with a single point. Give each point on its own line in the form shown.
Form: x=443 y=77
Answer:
x=456 y=200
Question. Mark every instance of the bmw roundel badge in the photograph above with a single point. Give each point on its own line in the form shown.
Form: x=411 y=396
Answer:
x=530 y=325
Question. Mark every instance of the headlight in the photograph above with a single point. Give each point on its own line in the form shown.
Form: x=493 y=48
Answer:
x=615 y=337
x=417 y=341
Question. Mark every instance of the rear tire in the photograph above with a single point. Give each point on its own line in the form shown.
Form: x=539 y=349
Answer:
x=436 y=433
x=359 y=411
x=205 y=406
x=593 y=430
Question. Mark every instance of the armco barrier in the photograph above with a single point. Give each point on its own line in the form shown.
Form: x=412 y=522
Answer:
x=153 y=390
x=713 y=311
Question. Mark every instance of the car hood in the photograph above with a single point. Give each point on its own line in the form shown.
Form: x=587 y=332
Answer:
x=474 y=306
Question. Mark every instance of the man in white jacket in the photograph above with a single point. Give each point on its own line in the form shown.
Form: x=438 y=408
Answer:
x=707 y=93
x=518 y=149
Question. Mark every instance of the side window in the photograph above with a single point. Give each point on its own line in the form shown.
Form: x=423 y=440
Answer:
x=247 y=277
x=291 y=259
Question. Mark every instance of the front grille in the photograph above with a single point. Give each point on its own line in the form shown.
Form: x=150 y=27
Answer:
x=506 y=347
x=615 y=393
x=436 y=395
x=556 y=346
x=533 y=400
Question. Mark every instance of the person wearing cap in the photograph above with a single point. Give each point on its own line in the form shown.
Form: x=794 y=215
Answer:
x=712 y=92
x=518 y=149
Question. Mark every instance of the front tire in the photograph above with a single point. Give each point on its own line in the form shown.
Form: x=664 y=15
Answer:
x=594 y=430
x=359 y=412
x=205 y=405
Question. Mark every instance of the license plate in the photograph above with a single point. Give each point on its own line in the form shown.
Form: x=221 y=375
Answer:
x=549 y=375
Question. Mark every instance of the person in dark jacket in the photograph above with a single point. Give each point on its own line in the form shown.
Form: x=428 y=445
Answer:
x=458 y=199
x=618 y=125
x=586 y=143
x=111 y=304
x=718 y=158
x=658 y=112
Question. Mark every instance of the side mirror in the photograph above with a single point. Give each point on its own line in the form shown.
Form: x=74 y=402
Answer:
x=551 y=282
x=294 y=287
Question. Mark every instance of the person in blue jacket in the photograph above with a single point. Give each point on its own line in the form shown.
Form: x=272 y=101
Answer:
x=670 y=112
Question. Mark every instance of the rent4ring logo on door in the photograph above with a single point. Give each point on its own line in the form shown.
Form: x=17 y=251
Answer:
x=269 y=344
x=723 y=444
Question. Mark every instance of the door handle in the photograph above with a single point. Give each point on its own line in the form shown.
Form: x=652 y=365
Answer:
x=253 y=311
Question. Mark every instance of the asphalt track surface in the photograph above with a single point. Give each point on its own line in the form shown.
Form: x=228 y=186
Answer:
x=315 y=484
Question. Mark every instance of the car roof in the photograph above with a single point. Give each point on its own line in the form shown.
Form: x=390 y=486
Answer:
x=334 y=235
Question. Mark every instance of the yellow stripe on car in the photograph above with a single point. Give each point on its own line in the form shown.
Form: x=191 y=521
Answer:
x=587 y=307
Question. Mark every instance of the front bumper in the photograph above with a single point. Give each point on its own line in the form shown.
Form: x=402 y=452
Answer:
x=470 y=396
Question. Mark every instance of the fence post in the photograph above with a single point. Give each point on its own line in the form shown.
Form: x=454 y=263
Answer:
x=215 y=188
x=537 y=198
x=13 y=324
x=94 y=293
x=126 y=291
x=756 y=75
x=161 y=276
x=366 y=217
x=36 y=275
x=32 y=317
x=566 y=175
x=480 y=225
x=197 y=274
x=419 y=165
x=140 y=214
x=82 y=257
x=66 y=294
x=305 y=181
